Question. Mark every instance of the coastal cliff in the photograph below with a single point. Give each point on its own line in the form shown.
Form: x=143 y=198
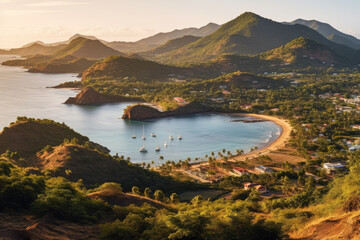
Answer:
x=88 y=96
x=142 y=112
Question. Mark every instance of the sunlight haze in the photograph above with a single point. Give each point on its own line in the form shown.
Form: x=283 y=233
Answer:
x=49 y=21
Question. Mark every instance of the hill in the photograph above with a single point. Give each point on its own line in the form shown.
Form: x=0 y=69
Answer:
x=246 y=34
x=171 y=45
x=304 y=52
x=86 y=48
x=330 y=32
x=33 y=49
x=94 y=167
x=122 y=67
x=75 y=57
x=77 y=65
x=28 y=136
x=158 y=39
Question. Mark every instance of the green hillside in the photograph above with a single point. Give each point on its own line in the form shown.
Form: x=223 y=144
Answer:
x=116 y=67
x=304 y=51
x=246 y=34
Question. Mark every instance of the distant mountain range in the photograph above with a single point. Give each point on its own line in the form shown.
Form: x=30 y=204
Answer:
x=247 y=34
x=76 y=56
x=156 y=40
x=247 y=43
x=171 y=45
x=330 y=32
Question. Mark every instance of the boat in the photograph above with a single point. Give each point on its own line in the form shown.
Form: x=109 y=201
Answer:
x=143 y=136
x=180 y=137
x=143 y=149
x=165 y=144
x=157 y=148
x=171 y=137
x=152 y=133
x=134 y=135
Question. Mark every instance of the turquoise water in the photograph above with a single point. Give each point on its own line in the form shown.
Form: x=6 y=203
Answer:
x=26 y=94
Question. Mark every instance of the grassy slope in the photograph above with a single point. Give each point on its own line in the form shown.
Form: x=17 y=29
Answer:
x=119 y=67
x=294 y=52
x=27 y=137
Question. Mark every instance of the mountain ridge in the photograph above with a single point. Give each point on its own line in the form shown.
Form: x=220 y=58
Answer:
x=330 y=32
x=247 y=34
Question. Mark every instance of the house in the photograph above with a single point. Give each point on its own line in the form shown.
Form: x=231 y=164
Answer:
x=226 y=92
x=240 y=171
x=246 y=106
x=354 y=148
x=179 y=100
x=333 y=167
x=260 y=188
x=263 y=169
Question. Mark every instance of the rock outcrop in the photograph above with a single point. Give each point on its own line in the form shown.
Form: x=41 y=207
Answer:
x=142 y=112
x=88 y=96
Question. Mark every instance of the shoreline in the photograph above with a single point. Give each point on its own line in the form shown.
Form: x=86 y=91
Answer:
x=280 y=141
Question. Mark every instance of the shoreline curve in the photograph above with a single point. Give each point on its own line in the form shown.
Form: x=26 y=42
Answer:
x=279 y=142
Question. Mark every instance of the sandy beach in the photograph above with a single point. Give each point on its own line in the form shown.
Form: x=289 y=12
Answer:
x=273 y=146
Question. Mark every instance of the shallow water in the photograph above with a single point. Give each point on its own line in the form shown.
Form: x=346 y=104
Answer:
x=26 y=94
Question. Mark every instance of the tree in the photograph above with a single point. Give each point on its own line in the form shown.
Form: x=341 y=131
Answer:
x=135 y=190
x=174 y=198
x=159 y=196
x=147 y=192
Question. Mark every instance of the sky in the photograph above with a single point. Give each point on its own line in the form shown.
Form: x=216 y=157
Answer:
x=24 y=21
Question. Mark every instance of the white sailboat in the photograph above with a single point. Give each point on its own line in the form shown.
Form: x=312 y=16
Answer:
x=143 y=149
x=165 y=144
x=157 y=148
x=180 y=137
x=171 y=137
x=143 y=136
x=152 y=133
x=134 y=135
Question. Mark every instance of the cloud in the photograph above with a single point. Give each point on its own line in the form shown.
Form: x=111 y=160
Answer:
x=55 y=4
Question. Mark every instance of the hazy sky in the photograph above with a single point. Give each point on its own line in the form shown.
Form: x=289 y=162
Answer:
x=24 y=21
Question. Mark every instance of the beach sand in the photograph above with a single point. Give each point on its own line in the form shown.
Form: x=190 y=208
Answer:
x=273 y=146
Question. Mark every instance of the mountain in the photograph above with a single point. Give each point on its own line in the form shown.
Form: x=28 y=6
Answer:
x=330 y=32
x=305 y=52
x=171 y=45
x=86 y=48
x=156 y=40
x=33 y=49
x=75 y=57
x=246 y=34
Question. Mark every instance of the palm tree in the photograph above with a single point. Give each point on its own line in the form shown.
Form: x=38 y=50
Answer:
x=161 y=157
